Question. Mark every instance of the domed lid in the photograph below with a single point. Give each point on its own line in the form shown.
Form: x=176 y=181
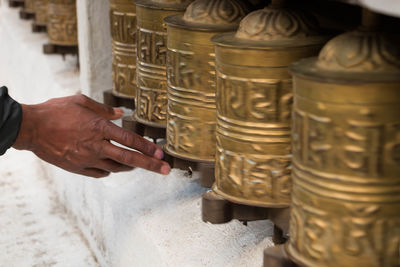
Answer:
x=275 y=26
x=212 y=15
x=164 y=4
x=366 y=54
x=277 y=22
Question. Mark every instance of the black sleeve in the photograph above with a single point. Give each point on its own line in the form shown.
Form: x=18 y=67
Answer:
x=10 y=120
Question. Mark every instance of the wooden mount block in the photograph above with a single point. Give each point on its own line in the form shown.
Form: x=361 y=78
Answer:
x=277 y=257
x=217 y=210
x=38 y=28
x=118 y=101
x=26 y=15
x=51 y=49
x=206 y=169
x=141 y=129
x=16 y=3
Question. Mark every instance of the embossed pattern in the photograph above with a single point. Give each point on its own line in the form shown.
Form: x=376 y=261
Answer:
x=62 y=23
x=191 y=101
x=29 y=6
x=254 y=107
x=346 y=163
x=151 y=95
x=359 y=51
x=191 y=78
x=123 y=32
x=277 y=24
x=40 y=7
x=216 y=12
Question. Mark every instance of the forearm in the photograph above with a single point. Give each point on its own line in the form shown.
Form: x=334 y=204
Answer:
x=10 y=120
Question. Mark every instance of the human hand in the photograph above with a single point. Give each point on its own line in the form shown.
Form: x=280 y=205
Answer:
x=74 y=133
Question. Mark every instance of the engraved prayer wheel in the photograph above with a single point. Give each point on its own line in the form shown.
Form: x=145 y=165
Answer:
x=254 y=103
x=123 y=32
x=346 y=160
x=40 y=8
x=29 y=6
x=62 y=23
x=191 y=75
x=28 y=11
x=151 y=94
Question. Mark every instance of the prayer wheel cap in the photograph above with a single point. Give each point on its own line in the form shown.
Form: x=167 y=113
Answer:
x=212 y=15
x=164 y=4
x=357 y=56
x=275 y=26
x=275 y=23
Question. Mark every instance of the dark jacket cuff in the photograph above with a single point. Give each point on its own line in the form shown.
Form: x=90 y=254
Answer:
x=10 y=120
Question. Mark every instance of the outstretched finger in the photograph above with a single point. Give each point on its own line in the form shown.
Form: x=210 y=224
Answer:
x=132 y=140
x=94 y=172
x=112 y=166
x=102 y=110
x=134 y=159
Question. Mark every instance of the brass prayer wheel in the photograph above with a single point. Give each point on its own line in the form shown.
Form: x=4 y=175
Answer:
x=40 y=8
x=254 y=103
x=123 y=32
x=346 y=160
x=191 y=75
x=151 y=94
x=62 y=23
x=29 y=6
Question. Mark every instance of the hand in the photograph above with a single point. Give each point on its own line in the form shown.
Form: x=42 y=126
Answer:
x=74 y=133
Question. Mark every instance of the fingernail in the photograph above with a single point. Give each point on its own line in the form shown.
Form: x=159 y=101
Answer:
x=165 y=169
x=118 y=111
x=159 y=154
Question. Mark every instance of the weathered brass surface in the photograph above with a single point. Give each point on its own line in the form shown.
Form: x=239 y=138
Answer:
x=40 y=8
x=29 y=6
x=123 y=32
x=191 y=75
x=254 y=103
x=346 y=158
x=62 y=23
x=151 y=94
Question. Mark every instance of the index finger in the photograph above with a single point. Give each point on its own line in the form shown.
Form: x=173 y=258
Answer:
x=134 y=159
x=132 y=140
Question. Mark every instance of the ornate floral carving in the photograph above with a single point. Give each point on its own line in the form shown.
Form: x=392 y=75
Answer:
x=277 y=24
x=360 y=51
x=222 y=12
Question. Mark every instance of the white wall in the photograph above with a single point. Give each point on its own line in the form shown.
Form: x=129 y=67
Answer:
x=94 y=47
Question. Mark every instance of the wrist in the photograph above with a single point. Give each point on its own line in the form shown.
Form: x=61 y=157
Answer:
x=27 y=129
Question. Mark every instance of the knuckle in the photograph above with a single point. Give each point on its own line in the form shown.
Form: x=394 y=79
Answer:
x=98 y=125
x=126 y=138
x=124 y=157
x=82 y=99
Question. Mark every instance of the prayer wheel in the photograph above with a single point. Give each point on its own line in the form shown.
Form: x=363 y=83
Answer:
x=40 y=8
x=28 y=12
x=123 y=32
x=151 y=94
x=191 y=75
x=29 y=6
x=254 y=103
x=62 y=23
x=346 y=160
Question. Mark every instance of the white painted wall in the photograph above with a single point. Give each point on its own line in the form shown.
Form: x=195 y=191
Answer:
x=94 y=47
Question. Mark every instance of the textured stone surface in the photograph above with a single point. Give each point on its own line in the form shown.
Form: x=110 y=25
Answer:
x=35 y=229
